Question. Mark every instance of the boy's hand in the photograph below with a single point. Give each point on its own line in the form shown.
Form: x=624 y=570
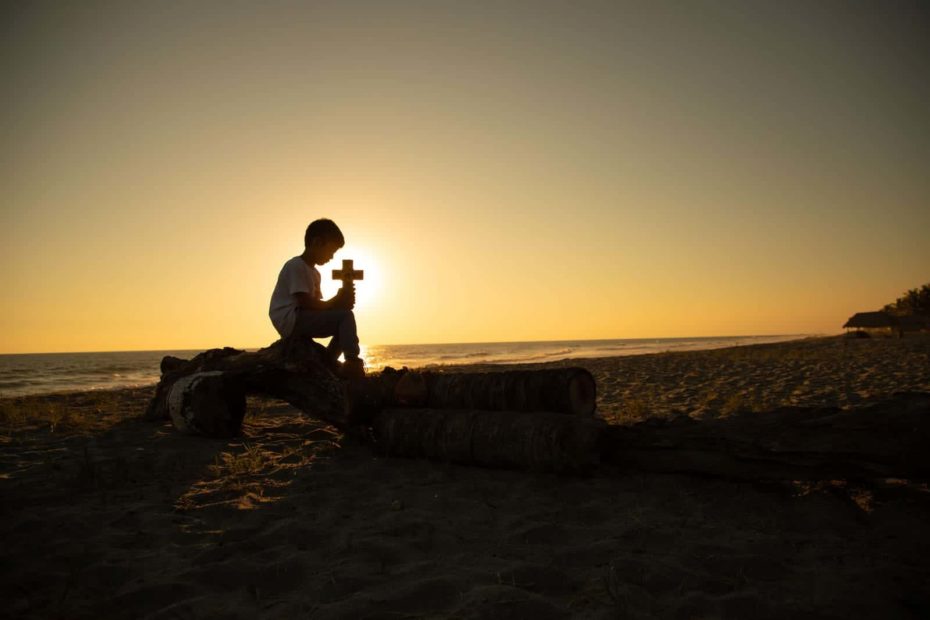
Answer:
x=346 y=296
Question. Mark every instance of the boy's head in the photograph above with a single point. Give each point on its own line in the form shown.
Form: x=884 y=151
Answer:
x=321 y=240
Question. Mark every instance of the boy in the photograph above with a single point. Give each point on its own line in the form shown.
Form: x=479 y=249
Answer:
x=297 y=305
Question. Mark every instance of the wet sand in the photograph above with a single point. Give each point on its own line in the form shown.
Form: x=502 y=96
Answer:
x=106 y=515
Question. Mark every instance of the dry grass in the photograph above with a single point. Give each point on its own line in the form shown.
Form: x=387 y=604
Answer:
x=83 y=412
x=278 y=441
x=64 y=433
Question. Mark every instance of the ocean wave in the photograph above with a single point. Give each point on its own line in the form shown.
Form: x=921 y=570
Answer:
x=613 y=348
x=39 y=373
x=543 y=355
x=14 y=385
x=514 y=357
x=463 y=356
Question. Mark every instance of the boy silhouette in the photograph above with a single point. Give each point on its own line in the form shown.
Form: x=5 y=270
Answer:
x=297 y=306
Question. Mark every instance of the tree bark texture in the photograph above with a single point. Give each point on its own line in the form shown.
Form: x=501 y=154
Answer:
x=888 y=439
x=206 y=395
x=559 y=390
x=515 y=440
x=210 y=403
x=293 y=370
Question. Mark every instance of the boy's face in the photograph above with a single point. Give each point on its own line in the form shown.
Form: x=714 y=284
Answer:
x=322 y=250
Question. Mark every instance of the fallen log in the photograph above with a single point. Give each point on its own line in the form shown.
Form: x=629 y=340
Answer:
x=206 y=395
x=518 y=440
x=560 y=390
x=299 y=371
x=210 y=403
x=888 y=439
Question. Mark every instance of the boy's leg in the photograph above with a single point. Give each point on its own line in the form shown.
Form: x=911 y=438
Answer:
x=334 y=349
x=340 y=324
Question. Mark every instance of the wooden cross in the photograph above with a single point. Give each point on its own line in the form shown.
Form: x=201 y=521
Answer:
x=348 y=274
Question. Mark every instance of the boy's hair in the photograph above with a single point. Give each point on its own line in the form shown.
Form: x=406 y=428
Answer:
x=323 y=229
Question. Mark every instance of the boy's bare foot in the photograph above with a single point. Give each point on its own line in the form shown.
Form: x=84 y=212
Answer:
x=353 y=369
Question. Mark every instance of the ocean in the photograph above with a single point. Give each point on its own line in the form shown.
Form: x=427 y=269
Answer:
x=38 y=373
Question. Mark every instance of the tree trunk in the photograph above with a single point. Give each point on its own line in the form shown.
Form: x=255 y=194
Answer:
x=294 y=370
x=210 y=403
x=889 y=439
x=206 y=395
x=559 y=390
x=517 y=440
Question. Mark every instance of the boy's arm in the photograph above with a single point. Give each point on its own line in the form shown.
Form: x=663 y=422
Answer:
x=305 y=301
x=343 y=300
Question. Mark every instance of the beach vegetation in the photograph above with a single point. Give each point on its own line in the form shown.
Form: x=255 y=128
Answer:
x=12 y=415
x=252 y=460
x=81 y=412
x=278 y=442
x=632 y=410
x=52 y=414
x=734 y=403
x=914 y=302
x=58 y=416
x=636 y=409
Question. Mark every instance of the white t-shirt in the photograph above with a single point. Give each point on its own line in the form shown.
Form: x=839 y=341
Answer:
x=296 y=277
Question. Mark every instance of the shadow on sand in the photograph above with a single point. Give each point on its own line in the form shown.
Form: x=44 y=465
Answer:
x=131 y=519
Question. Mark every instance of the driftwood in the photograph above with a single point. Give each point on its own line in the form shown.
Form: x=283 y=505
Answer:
x=888 y=439
x=294 y=370
x=560 y=390
x=210 y=403
x=534 y=441
x=206 y=395
x=214 y=384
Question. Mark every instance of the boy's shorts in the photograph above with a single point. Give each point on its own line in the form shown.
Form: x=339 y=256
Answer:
x=340 y=324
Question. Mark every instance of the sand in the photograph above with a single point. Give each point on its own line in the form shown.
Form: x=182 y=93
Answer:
x=106 y=515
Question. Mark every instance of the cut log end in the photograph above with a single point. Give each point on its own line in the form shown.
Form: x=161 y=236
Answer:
x=207 y=403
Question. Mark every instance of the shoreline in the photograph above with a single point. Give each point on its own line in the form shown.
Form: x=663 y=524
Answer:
x=114 y=370
x=773 y=374
x=109 y=515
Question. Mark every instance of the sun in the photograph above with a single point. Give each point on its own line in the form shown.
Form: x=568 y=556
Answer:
x=368 y=289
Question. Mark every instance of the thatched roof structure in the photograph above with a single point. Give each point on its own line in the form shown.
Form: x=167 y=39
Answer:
x=871 y=320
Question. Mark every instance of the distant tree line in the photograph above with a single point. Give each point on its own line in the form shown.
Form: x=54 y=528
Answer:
x=915 y=301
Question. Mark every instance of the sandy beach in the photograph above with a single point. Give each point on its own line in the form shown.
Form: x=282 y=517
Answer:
x=106 y=515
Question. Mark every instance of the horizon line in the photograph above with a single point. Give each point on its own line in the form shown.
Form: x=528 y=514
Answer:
x=416 y=344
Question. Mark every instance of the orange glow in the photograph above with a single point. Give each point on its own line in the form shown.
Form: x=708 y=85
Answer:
x=367 y=290
x=500 y=172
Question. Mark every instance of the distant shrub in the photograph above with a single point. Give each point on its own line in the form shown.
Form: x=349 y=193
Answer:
x=915 y=301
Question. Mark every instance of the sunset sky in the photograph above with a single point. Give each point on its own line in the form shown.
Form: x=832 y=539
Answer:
x=503 y=171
